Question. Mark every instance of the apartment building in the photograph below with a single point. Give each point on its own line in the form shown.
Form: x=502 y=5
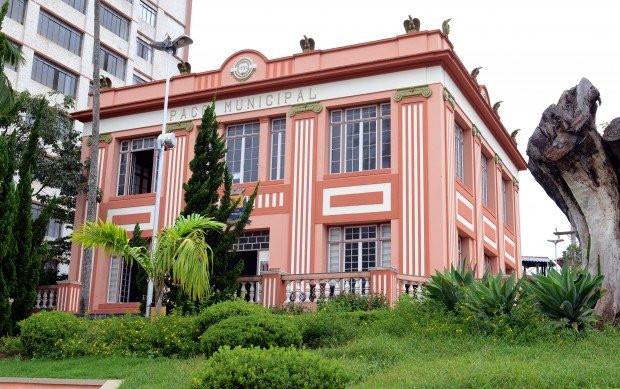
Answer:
x=379 y=163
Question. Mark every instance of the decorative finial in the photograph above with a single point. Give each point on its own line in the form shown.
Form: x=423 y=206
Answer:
x=445 y=27
x=475 y=72
x=496 y=106
x=105 y=82
x=184 y=67
x=411 y=25
x=307 y=44
x=513 y=134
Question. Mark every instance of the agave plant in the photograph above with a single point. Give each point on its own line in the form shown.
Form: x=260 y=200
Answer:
x=447 y=287
x=568 y=295
x=494 y=295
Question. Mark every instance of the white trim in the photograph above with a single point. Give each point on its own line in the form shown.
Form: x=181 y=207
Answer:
x=385 y=206
x=133 y=210
x=490 y=242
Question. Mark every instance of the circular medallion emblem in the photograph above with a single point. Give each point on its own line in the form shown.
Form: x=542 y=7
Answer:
x=243 y=69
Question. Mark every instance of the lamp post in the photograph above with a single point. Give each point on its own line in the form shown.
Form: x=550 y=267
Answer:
x=555 y=243
x=164 y=142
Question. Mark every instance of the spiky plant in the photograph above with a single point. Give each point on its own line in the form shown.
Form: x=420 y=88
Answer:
x=569 y=295
x=494 y=295
x=447 y=287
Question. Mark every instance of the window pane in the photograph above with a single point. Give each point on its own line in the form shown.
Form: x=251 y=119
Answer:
x=334 y=257
x=53 y=77
x=242 y=154
x=114 y=22
x=335 y=148
x=144 y=50
x=17 y=10
x=386 y=253
x=112 y=63
x=484 y=177
x=278 y=127
x=138 y=80
x=351 y=257
x=80 y=5
x=458 y=152
x=60 y=33
x=147 y=13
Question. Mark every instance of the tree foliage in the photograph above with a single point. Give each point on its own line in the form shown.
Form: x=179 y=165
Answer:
x=208 y=193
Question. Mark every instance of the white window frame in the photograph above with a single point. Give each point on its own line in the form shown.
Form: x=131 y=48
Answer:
x=342 y=143
x=337 y=242
x=459 y=247
x=484 y=176
x=148 y=14
x=243 y=138
x=459 y=154
x=128 y=179
x=278 y=147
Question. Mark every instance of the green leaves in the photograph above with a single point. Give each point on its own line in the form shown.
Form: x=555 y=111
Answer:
x=569 y=295
x=494 y=296
x=448 y=287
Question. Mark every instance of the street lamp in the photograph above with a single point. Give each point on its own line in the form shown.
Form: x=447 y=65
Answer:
x=555 y=243
x=164 y=142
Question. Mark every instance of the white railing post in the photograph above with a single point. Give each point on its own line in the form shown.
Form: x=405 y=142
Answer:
x=258 y=284
x=289 y=288
x=297 y=291
x=252 y=291
x=336 y=288
x=358 y=286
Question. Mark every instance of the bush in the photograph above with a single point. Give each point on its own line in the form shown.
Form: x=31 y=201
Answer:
x=494 y=296
x=272 y=368
x=11 y=347
x=43 y=334
x=351 y=302
x=163 y=336
x=256 y=330
x=325 y=329
x=449 y=287
x=221 y=311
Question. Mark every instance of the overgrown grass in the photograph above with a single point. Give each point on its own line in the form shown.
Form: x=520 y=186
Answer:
x=136 y=372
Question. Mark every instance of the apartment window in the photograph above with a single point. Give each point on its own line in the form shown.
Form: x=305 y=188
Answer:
x=459 y=152
x=53 y=76
x=360 y=139
x=484 y=176
x=17 y=10
x=148 y=13
x=60 y=33
x=114 y=22
x=242 y=154
x=487 y=264
x=54 y=227
x=138 y=80
x=145 y=51
x=278 y=139
x=353 y=249
x=122 y=282
x=80 y=5
x=11 y=66
x=137 y=166
x=112 y=63
x=506 y=201
x=459 y=248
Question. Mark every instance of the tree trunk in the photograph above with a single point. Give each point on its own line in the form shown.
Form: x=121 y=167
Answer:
x=91 y=206
x=159 y=297
x=580 y=170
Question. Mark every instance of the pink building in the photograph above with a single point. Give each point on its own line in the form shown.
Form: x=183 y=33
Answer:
x=379 y=163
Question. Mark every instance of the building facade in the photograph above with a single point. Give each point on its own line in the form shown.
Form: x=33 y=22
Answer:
x=379 y=164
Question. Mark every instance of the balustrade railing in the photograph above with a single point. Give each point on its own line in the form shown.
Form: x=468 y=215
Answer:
x=410 y=288
x=311 y=290
x=46 y=297
x=249 y=289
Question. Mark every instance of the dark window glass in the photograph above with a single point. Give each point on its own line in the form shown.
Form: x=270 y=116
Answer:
x=17 y=10
x=144 y=50
x=112 y=63
x=138 y=80
x=114 y=22
x=53 y=76
x=60 y=33
x=80 y=5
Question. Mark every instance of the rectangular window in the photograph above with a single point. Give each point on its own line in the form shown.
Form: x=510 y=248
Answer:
x=459 y=154
x=137 y=166
x=506 y=199
x=353 y=249
x=278 y=139
x=53 y=76
x=148 y=13
x=459 y=247
x=60 y=33
x=17 y=10
x=114 y=22
x=112 y=63
x=7 y=65
x=145 y=51
x=360 y=139
x=242 y=153
x=122 y=282
x=138 y=80
x=487 y=264
x=80 y=5
x=484 y=176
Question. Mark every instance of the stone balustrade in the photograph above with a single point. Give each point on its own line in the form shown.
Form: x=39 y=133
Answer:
x=249 y=289
x=46 y=297
x=304 y=290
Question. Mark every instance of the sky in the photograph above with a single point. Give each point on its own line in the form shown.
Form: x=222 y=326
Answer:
x=530 y=51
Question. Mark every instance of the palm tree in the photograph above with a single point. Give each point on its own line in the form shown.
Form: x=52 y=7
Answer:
x=181 y=252
x=9 y=54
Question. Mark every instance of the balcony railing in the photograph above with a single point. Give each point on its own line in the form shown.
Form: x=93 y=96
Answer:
x=249 y=289
x=312 y=287
x=46 y=297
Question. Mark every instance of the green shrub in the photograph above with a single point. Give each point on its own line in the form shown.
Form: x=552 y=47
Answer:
x=330 y=329
x=568 y=296
x=256 y=330
x=494 y=296
x=271 y=368
x=351 y=302
x=43 y=334
x=129 y=335
x=224 y=310
x=11 y=346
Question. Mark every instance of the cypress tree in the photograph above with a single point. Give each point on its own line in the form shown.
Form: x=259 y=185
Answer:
x=8 y=208
x=202 y=195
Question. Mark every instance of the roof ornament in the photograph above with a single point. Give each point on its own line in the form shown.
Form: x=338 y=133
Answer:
x=475 y=72
x=105 y=82
x=184 y=67
x=513 y=134
x=411 y=25
x=445 y=27
x=496 y=106
x=307 y=44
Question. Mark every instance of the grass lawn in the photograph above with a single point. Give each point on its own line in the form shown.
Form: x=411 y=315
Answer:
x=136 y=372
